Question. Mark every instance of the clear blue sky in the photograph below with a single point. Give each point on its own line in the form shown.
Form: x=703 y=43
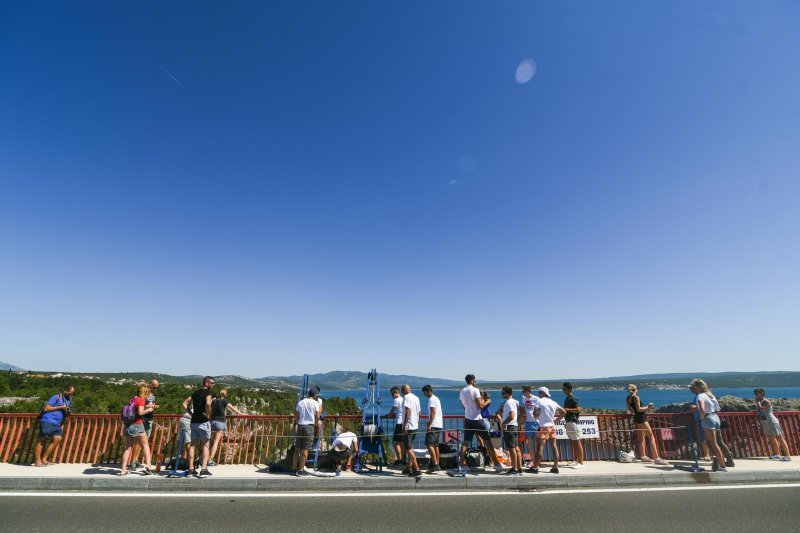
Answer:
x=264 y=188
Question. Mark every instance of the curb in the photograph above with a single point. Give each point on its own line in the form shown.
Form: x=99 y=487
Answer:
x=271 y=482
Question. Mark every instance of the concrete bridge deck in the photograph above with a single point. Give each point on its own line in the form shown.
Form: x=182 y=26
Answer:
x=80 y=477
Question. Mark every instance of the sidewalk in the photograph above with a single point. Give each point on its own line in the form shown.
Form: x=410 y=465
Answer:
x=600 y=474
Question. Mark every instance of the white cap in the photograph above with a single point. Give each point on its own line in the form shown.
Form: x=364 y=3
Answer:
x=545 y=390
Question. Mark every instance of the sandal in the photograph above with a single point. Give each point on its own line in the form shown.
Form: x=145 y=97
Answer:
x=124 y=473
x=146 y=472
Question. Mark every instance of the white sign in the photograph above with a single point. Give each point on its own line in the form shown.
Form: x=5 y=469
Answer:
x=588 y=427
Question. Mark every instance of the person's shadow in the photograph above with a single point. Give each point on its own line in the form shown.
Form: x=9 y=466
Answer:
x=102 y=470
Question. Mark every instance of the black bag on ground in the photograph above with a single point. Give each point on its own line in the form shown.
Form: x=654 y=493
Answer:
x=183 y=464
x=475 y=458
x=448 y=455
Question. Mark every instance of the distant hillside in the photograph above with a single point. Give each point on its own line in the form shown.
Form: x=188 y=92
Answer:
x=350 y=379
x=329 y=381
x=8 y=366
x=130 y=377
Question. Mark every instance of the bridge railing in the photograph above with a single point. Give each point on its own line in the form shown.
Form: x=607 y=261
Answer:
x=97 y=439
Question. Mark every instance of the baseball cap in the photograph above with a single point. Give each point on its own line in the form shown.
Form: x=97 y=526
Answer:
x=545 y=390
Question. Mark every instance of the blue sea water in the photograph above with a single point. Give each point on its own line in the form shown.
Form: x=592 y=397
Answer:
x=601 y=399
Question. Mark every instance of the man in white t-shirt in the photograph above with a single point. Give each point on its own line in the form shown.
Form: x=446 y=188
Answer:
x=411 y=410
x=343 y=449
x=474 y=424
x=510 y=426
x=550 y=413
x=530 y=408
x=433 y=429
x=306 y=417
x=397 y=436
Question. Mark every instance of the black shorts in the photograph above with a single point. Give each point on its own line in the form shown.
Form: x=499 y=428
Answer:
x=398 y=433
x=510 y=437
x=408 y=439
x=475 y=427
x=341 y=456
x=432 y=436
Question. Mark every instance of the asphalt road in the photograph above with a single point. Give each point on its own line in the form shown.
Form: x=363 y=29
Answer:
x=749 y=509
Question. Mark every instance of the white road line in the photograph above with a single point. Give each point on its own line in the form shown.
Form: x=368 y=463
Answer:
x=390 y=494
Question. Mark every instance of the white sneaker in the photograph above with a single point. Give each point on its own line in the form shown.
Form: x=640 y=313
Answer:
x=571 y=464
x=577 y=465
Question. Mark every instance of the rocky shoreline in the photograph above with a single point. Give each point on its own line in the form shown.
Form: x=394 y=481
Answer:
x=730 y=404
x=736 y=404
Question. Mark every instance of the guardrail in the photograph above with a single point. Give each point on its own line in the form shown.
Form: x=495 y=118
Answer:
x=97 y=439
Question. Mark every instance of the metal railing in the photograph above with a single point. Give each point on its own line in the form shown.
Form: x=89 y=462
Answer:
x=261 y=439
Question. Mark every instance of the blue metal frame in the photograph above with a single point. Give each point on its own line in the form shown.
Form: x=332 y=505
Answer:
x=371 y=406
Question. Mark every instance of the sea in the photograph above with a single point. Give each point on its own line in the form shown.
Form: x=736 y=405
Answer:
x=599 y=399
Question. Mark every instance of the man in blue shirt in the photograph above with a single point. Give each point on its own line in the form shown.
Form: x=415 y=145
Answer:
x=52 y=418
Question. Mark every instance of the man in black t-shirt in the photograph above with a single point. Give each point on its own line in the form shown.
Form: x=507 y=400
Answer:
x=200 y=425
x=572 y=425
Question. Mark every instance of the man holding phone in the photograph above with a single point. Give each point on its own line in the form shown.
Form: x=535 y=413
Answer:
x=51 y=420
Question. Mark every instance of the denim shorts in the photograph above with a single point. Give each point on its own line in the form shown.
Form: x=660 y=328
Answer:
x=219 y=425
x=531 y=428
x=711 y=421
x=50 y=430
x=134 y=430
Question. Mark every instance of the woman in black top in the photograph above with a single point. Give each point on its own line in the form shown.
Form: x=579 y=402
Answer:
x=219 y=423
x=643 y=431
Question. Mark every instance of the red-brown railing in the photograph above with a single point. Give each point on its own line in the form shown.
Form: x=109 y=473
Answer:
x=260 y=439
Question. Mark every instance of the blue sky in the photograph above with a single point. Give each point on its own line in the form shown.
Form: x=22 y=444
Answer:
x=271 y=188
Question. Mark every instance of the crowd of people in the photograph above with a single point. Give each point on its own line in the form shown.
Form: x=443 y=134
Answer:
x=529 y=422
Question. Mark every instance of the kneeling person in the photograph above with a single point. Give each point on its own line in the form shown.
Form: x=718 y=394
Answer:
x=343 y=449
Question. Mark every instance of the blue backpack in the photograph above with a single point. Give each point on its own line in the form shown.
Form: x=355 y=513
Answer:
x=129 y=414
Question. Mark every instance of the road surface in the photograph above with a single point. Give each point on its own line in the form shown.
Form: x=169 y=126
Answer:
x=702 y=509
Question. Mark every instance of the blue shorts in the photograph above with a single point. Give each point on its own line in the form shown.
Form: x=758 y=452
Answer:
x=219 y=425
x=699 y=436
x=50 y=430
x=711 y=421
x=134 y=430
x=531 y=428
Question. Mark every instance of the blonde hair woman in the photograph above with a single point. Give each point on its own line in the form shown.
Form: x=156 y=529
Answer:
x=644 y=433
x=135 y=432
x=219 y=424
x=708 y=407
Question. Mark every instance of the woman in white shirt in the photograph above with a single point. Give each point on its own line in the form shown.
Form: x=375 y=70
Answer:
x=708 y=407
